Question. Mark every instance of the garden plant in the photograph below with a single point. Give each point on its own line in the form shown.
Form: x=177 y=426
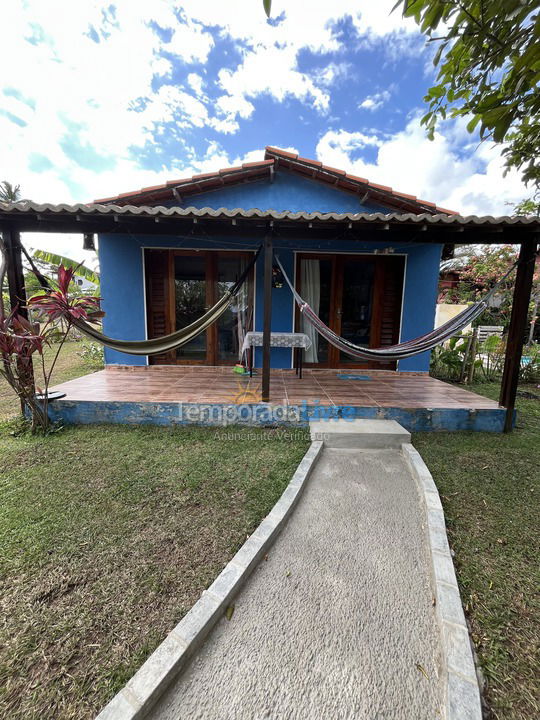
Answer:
x=22 y=342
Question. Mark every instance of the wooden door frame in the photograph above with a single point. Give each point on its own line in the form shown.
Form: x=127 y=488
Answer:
x=332 y=310
x=211 y=257
x=338 y=263
x=214 y=255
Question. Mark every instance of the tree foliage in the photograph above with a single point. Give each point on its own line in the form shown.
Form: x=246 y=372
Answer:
x=530 y=206
x=482 y=268
x=52 y=259
x=489 y=69
x=9 y=192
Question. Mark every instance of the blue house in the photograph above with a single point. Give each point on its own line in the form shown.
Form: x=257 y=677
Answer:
x=364 y=257
x=365 y=282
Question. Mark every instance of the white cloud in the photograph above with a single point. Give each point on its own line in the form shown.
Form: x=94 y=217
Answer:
x=336 y=147
x=270 y=56
x=196 y=83
x=88 y=72
x=189 y=41
x=374 y=102
x=443 y=171
x=271 y=71
x=332 y=74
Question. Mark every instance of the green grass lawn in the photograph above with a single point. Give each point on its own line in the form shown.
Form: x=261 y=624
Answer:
x=108 y=536
x=490 y=489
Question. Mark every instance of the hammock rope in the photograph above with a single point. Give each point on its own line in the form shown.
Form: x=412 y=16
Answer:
x=402 y=350
x=166 y=343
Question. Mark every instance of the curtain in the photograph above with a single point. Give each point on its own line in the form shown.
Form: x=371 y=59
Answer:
x=310 y=282
x=242 y=310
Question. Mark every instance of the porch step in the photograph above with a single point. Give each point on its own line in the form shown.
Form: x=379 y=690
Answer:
x=360 y=433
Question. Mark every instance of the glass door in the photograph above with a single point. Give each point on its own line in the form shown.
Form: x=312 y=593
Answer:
x=191 y=300
x=199 y=280
x=238 y=318
x=355 y=302
x=346 y=292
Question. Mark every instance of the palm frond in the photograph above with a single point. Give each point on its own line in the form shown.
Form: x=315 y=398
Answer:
x=9 y=192
x=56 y=260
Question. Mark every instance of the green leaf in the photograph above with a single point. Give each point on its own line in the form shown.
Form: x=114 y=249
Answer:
x=53 y=259
x=438 y=54
x=267 y=4
x=473 y=123
x=436 y=91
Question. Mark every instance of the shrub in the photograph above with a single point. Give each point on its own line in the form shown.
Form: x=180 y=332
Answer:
x=92 y=354
x=530 y=364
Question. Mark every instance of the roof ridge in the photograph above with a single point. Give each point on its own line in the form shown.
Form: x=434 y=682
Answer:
x=271 y=151
x=273 y=156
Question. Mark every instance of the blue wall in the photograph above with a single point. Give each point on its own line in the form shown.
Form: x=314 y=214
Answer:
x=122 y=276
x=122 y=290
x=288 y=192
x=122 y=287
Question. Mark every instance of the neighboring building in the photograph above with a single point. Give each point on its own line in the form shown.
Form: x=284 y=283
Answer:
x=84 y=284
x=366 y=287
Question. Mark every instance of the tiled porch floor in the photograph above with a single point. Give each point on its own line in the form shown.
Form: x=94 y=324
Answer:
x=220 y=385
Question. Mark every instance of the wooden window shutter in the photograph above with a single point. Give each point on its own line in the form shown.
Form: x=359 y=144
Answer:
x=391 y=299
x=389 y=273
x=158 y=301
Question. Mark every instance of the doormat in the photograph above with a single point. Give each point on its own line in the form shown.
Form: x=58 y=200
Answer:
x=353 y=377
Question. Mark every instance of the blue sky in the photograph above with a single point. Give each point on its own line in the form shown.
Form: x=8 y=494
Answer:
x=105 y=97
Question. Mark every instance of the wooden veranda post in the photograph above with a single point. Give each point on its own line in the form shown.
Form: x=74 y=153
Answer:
x=516 y=331
x=15 y=279
x=267 y=318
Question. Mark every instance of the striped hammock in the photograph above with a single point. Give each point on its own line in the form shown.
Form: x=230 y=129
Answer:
x=402 y=350
x=166 y=343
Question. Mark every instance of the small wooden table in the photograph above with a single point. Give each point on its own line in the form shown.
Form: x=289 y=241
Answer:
x=298 y=341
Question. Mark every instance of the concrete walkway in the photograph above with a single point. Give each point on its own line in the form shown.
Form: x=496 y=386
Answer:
x=338 y=621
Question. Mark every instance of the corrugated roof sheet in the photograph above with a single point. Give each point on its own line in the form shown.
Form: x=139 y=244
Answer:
x=158 y=211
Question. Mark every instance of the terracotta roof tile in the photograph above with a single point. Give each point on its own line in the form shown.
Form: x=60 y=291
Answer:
x=355 y=178
x=259 y=163
x=203 y=176
x=105 y=200
x=307 y=161
x=226 y=171
x=151 y=188
x=128 y=194
x=348 y=181
x=386 y=188
x=282 y=153
x=170 y=183
x=333 y=170
x=404 y=195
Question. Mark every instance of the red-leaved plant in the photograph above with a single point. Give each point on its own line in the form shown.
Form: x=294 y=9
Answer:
x=21 y=340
